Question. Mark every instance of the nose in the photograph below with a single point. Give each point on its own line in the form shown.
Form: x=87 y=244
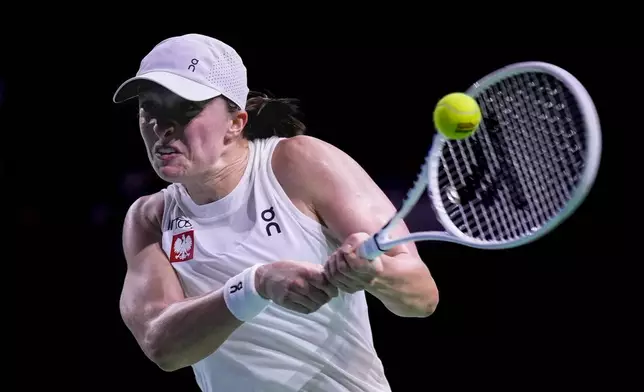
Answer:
x=162 y=128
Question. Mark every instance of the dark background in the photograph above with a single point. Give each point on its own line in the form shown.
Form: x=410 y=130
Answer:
x=525 y=314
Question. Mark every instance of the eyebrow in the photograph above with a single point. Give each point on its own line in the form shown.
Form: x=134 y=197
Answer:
x=149 y=99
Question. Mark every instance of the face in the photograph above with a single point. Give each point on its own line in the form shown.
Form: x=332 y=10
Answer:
x=185 y=139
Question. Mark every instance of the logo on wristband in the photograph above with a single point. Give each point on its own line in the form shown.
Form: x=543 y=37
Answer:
x=235 y=288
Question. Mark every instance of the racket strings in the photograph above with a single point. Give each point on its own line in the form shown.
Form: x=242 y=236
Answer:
x=521 y=167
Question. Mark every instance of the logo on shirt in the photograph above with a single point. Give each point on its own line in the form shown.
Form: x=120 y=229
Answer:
x=179 y=223
x=268 y=215
x=182 y=247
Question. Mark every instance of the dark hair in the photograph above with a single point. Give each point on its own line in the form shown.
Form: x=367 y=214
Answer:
x=269 y=117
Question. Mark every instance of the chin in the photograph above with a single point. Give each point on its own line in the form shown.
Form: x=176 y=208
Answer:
x=170 y=173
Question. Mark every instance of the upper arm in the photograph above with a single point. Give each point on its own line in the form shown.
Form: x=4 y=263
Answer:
x=150 y=282
x=338 y=189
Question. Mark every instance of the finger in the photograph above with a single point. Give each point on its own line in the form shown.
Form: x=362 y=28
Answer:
x=355 y=262
x=350 y=257
x=331 y=268
x=302 y=288
x=336 y=277
x=337 y=285
x=305 y=302
x=330 y=288
x=295 y=307
x=361 y=270
x=329 y=275
x=343 y=286
x=345 y=269
x=317 y=295
x=321 y=282
x=343 y=280
x=356 y=239
x=328 y=266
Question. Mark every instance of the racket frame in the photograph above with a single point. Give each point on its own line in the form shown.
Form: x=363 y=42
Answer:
x=380 y=242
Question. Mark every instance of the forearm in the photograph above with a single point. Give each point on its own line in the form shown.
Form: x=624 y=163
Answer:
x=405 y=287
x=190 y=330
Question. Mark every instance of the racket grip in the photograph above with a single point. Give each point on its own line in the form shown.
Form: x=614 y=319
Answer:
x=369 y=249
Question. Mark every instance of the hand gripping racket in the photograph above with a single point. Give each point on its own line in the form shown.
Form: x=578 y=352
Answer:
x=528 y=167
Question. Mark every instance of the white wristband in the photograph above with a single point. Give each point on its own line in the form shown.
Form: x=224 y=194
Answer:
x=241 y=297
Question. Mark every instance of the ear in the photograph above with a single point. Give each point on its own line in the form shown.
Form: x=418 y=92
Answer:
x=239 y=120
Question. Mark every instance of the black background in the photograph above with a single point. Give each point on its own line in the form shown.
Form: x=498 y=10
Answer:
x=512 y=318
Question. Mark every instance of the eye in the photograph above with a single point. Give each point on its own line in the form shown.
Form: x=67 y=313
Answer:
x=143 y=116
x=191 y=109
x=150 y=106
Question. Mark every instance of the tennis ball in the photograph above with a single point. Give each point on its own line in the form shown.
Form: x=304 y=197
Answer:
x=457 y=116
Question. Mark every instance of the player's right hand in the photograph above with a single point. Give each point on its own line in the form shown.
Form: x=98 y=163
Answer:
x=298 y=286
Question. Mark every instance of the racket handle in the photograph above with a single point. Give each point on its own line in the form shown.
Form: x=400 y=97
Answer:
x=369 y=249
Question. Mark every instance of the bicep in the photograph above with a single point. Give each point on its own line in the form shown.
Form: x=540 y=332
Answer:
x=352 y=202
x=344 y=195
x=150 y=283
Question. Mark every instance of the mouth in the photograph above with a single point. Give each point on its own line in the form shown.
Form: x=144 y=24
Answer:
x=165 y=152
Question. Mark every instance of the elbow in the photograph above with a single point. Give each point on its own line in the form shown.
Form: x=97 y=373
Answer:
x=164 y=362
x=424 y=307
x=159 y=353
x=418 y=305
x=414 y=309
x=430 y=305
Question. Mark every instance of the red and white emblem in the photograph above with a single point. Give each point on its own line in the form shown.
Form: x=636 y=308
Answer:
x=182 y=247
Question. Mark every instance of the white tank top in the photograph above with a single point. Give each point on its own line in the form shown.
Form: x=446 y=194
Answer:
x=279 y=350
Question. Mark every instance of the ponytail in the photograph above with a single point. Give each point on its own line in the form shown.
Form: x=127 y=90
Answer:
x=269 y=117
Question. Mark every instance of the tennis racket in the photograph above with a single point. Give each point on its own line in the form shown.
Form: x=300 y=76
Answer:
x=526 y=169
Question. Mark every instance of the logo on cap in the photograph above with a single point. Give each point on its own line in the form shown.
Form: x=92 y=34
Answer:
x=192 y=66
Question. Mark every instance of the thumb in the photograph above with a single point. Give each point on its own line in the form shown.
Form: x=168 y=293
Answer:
x=351 y=245
x=353 y=242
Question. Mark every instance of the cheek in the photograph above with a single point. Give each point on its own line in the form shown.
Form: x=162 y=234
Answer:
x=204 y=142
x=148 y=136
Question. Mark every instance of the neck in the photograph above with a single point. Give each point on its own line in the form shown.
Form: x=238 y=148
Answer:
x=223 y=179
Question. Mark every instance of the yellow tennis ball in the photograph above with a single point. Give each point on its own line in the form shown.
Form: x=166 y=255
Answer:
x=457 y=116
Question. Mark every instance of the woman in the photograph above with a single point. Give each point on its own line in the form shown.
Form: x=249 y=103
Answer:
x=244 y=266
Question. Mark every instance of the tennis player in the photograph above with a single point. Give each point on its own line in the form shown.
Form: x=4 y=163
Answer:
x=244 y=266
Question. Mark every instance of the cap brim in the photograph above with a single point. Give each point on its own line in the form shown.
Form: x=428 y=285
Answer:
x=183 y=87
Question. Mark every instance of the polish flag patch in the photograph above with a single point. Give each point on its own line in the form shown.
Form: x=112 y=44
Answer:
x=183 y=246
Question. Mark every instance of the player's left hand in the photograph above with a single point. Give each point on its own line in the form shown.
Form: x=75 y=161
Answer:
x=347 y=271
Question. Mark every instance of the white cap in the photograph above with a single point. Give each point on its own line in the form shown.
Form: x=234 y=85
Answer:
x=193 y=66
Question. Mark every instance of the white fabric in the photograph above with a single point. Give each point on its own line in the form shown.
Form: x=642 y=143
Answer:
x=193 y=66
x=330 y=350
x=241 y=296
